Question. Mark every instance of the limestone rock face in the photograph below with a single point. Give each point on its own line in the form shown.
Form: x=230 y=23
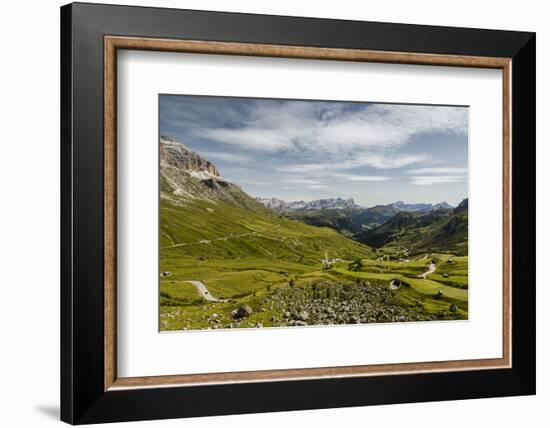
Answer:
x=186 y=175
x=176 y=155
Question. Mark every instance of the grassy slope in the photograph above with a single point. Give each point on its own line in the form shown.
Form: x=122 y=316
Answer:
x=437 y=231
x=222 y=230
x=237 y=251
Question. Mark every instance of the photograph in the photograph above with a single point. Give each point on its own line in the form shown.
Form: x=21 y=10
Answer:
x=295 y=213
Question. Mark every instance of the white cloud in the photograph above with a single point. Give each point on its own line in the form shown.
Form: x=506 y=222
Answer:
x=374 y=160
x=224 y=156
x=441 y=170
x=428 y=180
x=255 y=182
x=352 y=177
x=257 y=139
x=298 y=180
x=389 y=161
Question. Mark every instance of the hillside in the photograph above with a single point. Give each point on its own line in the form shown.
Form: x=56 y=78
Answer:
x=209 y=229
x=355 y=220
x=438 y=230
x=205 y=215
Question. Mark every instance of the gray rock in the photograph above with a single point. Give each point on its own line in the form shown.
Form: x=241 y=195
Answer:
x=242 y=312
x=301 y=316
x=354 y=320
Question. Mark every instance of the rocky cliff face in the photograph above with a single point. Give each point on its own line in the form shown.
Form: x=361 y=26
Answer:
x=186 y=175
x=175 y=154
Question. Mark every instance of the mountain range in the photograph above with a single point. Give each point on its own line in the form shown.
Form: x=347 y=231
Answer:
x=422 y=207
x=280 y=206
x=442 y=229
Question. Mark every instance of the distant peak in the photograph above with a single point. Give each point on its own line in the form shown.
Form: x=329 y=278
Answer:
x=281 y=206
x=420 y=206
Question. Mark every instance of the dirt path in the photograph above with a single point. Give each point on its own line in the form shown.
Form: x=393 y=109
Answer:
x=431 y=269
x=203 y=291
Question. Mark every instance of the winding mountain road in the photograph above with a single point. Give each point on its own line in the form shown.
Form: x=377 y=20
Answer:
x=431 y=269
x=203 y=291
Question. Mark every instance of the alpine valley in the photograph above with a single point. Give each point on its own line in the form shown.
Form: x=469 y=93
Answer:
x=230 y=260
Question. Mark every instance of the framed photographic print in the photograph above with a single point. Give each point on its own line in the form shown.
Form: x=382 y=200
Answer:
x=271 y=213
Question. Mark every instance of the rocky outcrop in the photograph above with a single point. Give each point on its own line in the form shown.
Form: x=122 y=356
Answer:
x=184 y=174
x=175 y=154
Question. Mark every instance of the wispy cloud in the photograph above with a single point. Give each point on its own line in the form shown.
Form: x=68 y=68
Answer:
x=318 y=186
x=225 y=156
x=352 y=177
x=255 y=182
x=374 y=160
x=298 y=180
x=441 y=170
x=428 y=180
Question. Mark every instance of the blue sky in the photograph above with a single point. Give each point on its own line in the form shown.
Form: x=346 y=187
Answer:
x=303 y=150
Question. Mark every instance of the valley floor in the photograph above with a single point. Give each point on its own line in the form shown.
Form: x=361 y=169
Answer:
x=214 y=293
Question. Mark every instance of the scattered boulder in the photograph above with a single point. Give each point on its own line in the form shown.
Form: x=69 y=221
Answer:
x=439 y=294
x=354 y=319
x=397 y=283
x=301 y=316
x=297 y=323
x=453 y=308
x=166 y=274
x=445 y=275
x=242 y=312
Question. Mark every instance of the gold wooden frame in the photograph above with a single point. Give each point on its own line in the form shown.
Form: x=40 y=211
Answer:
x=113 y=43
